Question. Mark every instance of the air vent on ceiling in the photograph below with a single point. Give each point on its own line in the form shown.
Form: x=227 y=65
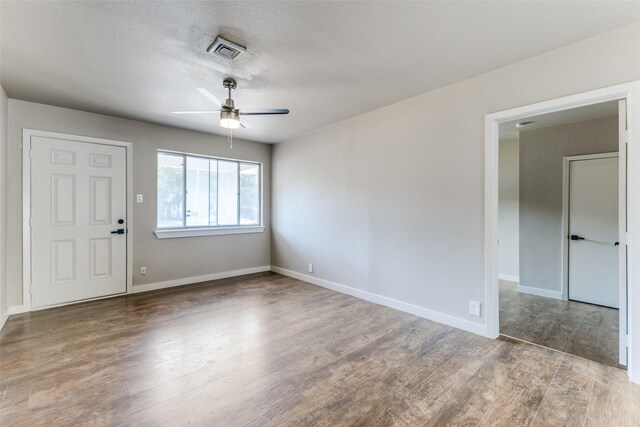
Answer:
x=225 y=49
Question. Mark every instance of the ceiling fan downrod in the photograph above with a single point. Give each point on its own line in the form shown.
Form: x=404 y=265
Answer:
x=229 y=84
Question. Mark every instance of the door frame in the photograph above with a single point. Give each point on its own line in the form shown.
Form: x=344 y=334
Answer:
x=26 y=208
x=630 y=92
x=566 y=163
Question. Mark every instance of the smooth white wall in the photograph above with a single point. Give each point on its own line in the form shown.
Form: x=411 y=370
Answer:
x=165 y=259
x=541 y=166
x=392 y=202
x=3 y=205
x=508 y=210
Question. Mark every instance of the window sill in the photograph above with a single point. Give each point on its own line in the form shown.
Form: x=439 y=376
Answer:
x=198 y=232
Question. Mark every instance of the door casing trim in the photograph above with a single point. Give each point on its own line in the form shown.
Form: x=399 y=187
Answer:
x=627 y=91
x=26 y=203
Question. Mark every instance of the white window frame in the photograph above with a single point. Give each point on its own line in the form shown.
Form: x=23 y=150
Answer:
x=197 y=231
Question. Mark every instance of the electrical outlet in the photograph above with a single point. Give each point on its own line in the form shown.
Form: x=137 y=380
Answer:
x=143 y=270
x=139 y=198
x=474 y=308
x=310 y=268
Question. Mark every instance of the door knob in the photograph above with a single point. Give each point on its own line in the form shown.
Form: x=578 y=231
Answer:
x=121 y=221
x=576 y=237
x=118 y=231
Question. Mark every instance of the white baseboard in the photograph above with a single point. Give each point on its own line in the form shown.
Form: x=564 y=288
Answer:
x=148 y=287
x=426 y=313
x=509 y=277
x=3 y=320
x=11 y=311
x=540 y=292
x=197 y=279
x=17 y=309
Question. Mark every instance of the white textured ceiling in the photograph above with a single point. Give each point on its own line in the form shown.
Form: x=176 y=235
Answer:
x=326 y=61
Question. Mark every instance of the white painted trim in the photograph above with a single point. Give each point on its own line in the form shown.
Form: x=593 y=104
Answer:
x=436 y=316
x=509 y=277
x=633 y=233
x=564 y=265
x=80 y=301
x=26 y=219
x=18 y=309
x=622 y=222
x=631 y=93
x=3 y=320
x=540 y=292
x=130 y=227
x=26 y=202
x=184 y=155
x=591 y=156
x=147 y=287
x=491 y=272
x=197 y=279
x=198 y=232
x=564 y=237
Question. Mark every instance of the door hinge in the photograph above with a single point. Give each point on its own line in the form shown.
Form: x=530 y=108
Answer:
x=29 y=221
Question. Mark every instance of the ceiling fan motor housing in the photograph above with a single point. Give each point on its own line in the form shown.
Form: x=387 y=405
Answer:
x=229 y=84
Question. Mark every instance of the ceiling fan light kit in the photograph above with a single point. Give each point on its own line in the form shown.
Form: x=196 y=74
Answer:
x=230 y=116
x=229 y=119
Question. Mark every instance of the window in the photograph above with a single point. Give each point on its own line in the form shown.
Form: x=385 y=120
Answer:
x=197 y=192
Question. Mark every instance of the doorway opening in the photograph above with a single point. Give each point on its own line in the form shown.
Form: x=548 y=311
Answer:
x=565 y=279
x=558 y=231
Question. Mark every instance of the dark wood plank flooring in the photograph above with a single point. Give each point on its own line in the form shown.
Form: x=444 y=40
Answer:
x=268 y=350
x=585 y=330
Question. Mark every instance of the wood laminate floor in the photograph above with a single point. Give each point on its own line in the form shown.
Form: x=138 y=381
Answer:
x=585 y=330
x=267 y=350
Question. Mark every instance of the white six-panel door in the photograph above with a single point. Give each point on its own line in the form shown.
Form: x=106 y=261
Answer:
x=78 y=197
x=593 y=223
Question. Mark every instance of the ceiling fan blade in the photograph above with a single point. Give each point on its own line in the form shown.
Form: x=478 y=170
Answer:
x=211 y=96
x=245 y=124
x=196 y=112
x=264 y=112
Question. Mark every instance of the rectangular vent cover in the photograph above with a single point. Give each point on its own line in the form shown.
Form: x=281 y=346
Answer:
x=225 y=49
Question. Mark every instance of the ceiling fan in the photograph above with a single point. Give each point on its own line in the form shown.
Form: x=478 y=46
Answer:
x=230 y=116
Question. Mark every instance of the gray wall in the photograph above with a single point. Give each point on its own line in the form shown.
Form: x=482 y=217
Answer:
x=3 y=203
x=165 y=259
x=392 y=201
x=541 y=163
x=508 y=210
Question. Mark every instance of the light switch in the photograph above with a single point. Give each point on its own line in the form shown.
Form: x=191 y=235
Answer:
x=139 y=198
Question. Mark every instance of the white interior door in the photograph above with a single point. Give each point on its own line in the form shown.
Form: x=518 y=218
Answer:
x=593 y=230
x=78 y=198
